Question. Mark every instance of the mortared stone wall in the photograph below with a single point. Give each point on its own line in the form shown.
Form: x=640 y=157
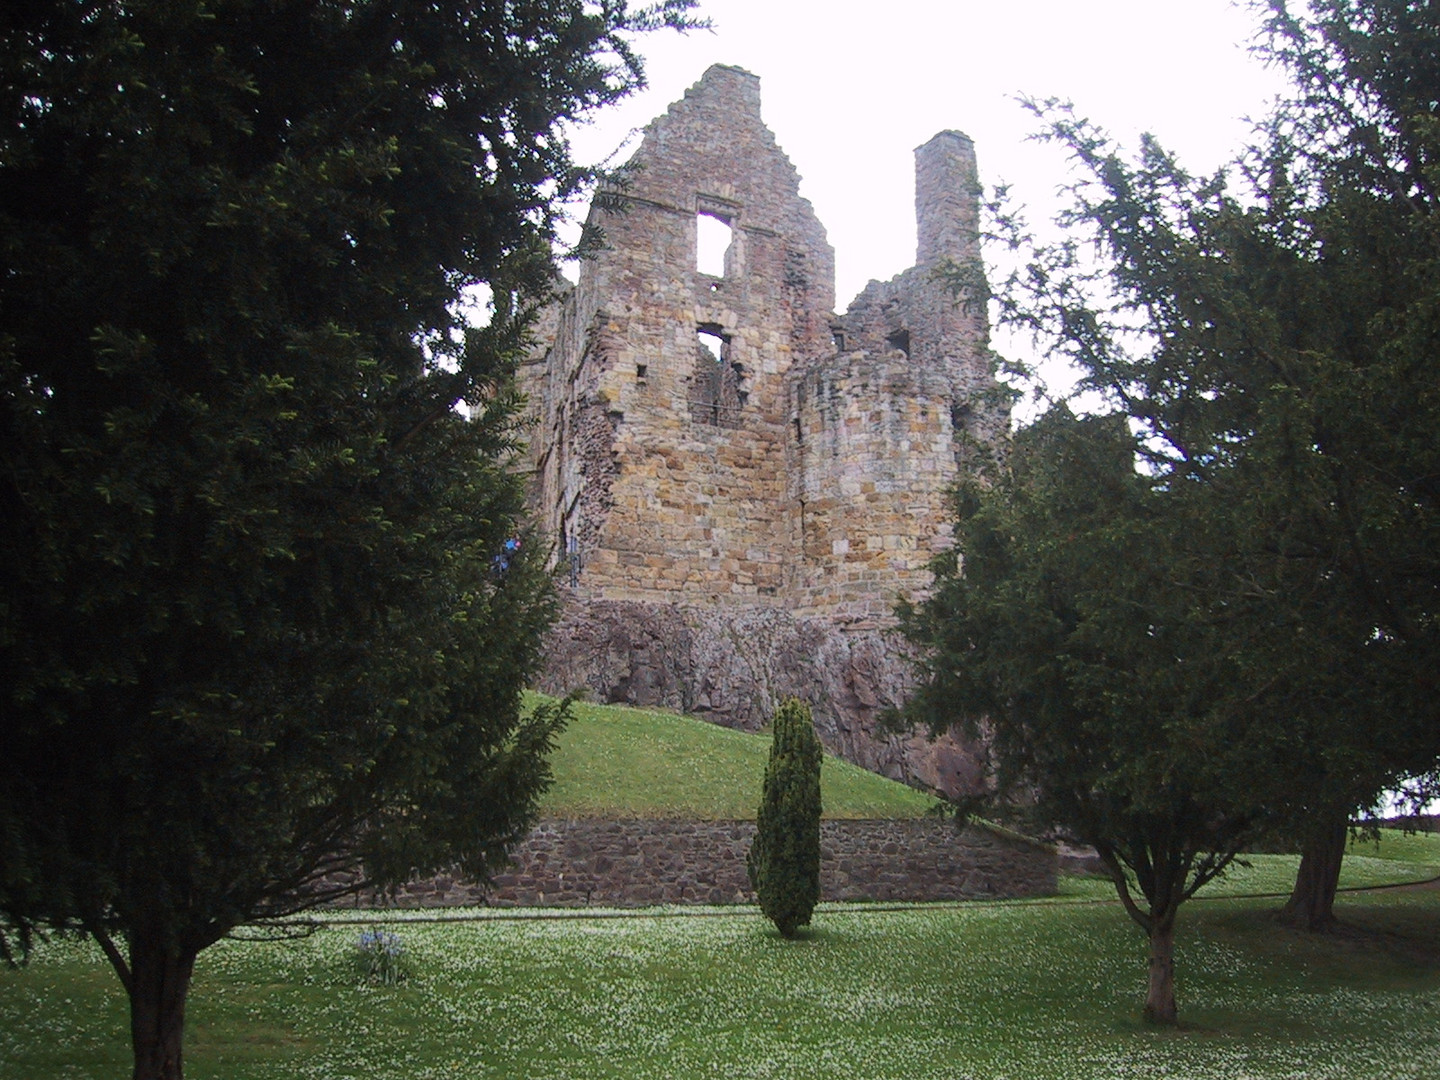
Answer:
x=632 y=863
x=722 y=450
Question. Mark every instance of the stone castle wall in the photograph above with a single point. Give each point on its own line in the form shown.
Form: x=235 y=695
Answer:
x=726 y=442
x=642 y=862
x=875 y=445
x=691 y=453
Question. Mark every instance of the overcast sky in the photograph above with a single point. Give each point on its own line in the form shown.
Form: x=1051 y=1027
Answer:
x=851 y=89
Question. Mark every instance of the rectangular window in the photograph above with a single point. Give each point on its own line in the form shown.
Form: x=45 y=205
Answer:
x=713 y=237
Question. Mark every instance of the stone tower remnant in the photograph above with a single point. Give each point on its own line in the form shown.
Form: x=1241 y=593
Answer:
x=739 y=482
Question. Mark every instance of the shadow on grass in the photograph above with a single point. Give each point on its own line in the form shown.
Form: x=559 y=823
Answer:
x=1375 y=940
x=1407 y=935
x=805 y=935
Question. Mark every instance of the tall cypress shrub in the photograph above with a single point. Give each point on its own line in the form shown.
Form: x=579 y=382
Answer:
x=784 y=859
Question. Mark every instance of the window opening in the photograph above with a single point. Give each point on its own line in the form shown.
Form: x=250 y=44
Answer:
x=900 y=339
x=717 y=390
x=713 y=237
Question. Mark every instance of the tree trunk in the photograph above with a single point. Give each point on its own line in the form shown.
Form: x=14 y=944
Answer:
x=1160 y=992
x=1312 y=903
x=159 y=981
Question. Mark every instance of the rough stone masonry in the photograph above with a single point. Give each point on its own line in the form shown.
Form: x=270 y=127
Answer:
x=739 y=483
x=636 y=863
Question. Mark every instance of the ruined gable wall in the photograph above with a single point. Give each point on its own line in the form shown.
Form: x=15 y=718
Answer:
x=920 y=311
x=696 y=495
x=571 y=431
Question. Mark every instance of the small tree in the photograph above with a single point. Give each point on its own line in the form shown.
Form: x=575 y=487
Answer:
x=784 y=859
x=1090 y=627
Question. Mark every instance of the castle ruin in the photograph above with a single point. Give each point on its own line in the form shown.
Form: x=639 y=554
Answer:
x=738 y=482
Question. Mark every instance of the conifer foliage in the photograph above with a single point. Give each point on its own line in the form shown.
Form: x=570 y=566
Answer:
x=1214 y=608
x=784 y=859
x=255 y=651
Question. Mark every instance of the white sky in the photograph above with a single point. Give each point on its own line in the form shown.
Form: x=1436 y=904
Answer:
x=850 y=90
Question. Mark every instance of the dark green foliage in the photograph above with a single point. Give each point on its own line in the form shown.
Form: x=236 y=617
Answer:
x=784 y=858
x=1349 y=235
x=250 y=630
x=1217 y=606
x=1356 y=156
x=1270 y=334
x=1088 y=637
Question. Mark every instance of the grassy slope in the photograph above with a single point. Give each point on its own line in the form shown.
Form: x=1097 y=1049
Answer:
x=619 y=762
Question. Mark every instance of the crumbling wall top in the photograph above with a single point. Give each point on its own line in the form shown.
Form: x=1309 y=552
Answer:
x=947 y=196
x=714 y=145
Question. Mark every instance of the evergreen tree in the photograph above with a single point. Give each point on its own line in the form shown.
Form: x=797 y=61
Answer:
x=1216 y=607
x=1088 y=629
x=256 y=653
x=1359 y=141
x=784 y=857
x=1269 y=332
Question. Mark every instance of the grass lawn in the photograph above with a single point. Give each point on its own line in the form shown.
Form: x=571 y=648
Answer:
x=619 y=762
x=1396 y=858
x=979 y=991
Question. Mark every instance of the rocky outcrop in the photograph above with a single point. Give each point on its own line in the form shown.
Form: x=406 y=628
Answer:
x=731 y=665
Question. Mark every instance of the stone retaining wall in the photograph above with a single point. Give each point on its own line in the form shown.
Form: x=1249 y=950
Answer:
x=640 y=862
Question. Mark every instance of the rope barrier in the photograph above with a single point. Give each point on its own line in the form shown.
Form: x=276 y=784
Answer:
x=552 y=914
